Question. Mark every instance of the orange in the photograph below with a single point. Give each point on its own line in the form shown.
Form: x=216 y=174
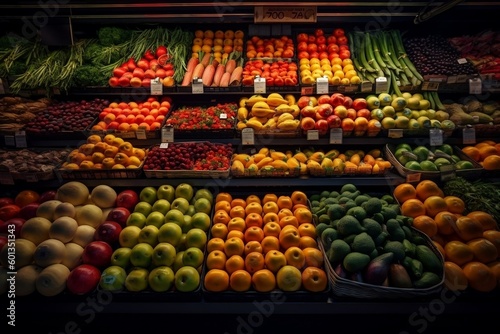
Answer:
x=269 y=197
x=234 y=263
x=236 y=223
x=289 y=237
x=295 y=257
x=425 y=224
x=253 y=246
x=439 y=248
x=253 y=219
x=222 y=205
x=314 y=257
x=495 y=267
x=289 y=220
x=234 y=246
x=296 y=206
x=285 y=212
x=25 y=197
x=491 y=162
x=480 y=276
x=435 y=204
x=238 y=202
x=216 y=280
x=472 y=152
x=271 y=229
x=426 y=188
x=254 y=261
x=254 y=233
x=253 y=199
x=458 y=252
x=215 y=244
x=455 y=204
x=454 y=277
x=270 y=207
x=494 y=237
x=216 y=260
x=307 y=229
x=484 y=250
x=299 y=197
x=284 y=202
x=274 y=260
x=444 y=221
x=303 y=215
x=270 y=243
x=413 y=208
x=486 y=151
x=219 y=230
x=468 y=228
x=270 y=217
x=307 y=241
x=235 y=234
x=221 y=216
x=404 y=191
x=240 y=280
x=254 y=207
x=237 y=211
x=264 y=280
x=487 y=221
x=314 y=279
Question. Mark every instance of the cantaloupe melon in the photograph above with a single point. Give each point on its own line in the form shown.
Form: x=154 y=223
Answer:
x=26 y=279
x=63 y=229
x=50 y=251
x=73 y=255
x=103 y=196
x=74 y=192
x=52 y=280
x=24 y=250
x=36 y=229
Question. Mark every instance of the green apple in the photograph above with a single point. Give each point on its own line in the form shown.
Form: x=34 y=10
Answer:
x=148 y=194
x=170 y=232
x=181 y=204
x=187 y=279
x=184 y=190
x=155 y=218
x=121 y=257
x=163 y=254
x=175 y=216
x=143 y=207
x=149 y=235
x=161 y=205
x=137 y=280
x=196 y=237
x=113 y=278
x=191 y=210
x=166 y=191
x=136 y=219
x=201 y=220
x=186 y=226
x=178 y=261
x=142 y=255
x=202 y=205
x=204 y=193
x=193 y=256
x=181 y=246
x=129 y=236
x=161 y=279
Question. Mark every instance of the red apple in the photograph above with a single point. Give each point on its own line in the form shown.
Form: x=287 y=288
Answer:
x=97 y=253
x=363 y=113
x=108 y=231
x=143 y=64
x=127 y=199
x=9 y=211
x=307 y=123
x=308 y=111
x=324 y=110
x=347 y=124
x=324 y=99
x=322 y=126
x=119 y=215
x=29 y=211
x=83 y=279
x=5 y=201
x=337 y=99
x=303 y=101
x=333 y=121
x=47 y=196
x=351 y=113
x=347 y=101
x=359 y=103
x=12 y=225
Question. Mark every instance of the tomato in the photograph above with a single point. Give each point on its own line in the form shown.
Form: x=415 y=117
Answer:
x=302 y=46
x=331 y=40
x=344 y=47
x=311 y=39
x=323 y=55
x=314 y=54
x=322 y=47
x=149 y=55
x=333 y=48
x=312 y=48
x=321 y=39
x=303 y=54
x=342 y=40
x=338 y=32
x=319 y=32
x=160 y=51
x=333 y=55
x=345 y=54
x=302 y=37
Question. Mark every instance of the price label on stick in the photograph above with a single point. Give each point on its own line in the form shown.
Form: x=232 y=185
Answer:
x=469 y=136
x=141 y=134
x=312 y=135
x=436 y=137
x=247 y=136
x=156 y=87
x=20 y=137
x=259 y=85
x=197 y=86
x=322 y=85
x=336 y=136
x=167 y=134
x=381 y=85
x=475 y=86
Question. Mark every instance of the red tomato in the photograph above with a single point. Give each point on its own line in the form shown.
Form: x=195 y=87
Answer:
x=345 y=54
x=323 y=55
x=331 y=39
x=333 y=48
x=321 y=39
x=302 y=46
x=303 y=54
x=322 y=47
x=312 y=48
x=333 y=55
x=338 y=32
x=344 y=47
x=302 y=37
x=342 y=40
x=314 y=54
x=319 y=32
x=311 y=39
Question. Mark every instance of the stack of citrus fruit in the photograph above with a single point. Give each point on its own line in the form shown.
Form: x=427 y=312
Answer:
x=468 y=240
x=263 y=243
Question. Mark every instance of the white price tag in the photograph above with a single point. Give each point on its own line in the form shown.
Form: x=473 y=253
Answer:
x=322 y=85
x=436 y=137
x=156 y=87
x=381 y=85
x=462 y=61
x=366 y=87
x=167 y=134
x=20 y=137
x=475 y=86
x=259 y=85
x=247 y=136
x=413 y=177
x=10 y=140
x=140 y=134
x=469 y=136
x=395 y=133
x=336 y=136
x=223 y=116
x=164 y=145
x=312 y=134
x=197 y=86
x=6 y=178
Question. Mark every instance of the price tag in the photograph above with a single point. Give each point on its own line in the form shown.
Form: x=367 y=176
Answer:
x=259 y=85
x=430 y=86
x=461 y=78
x=247 y=136
x=469 y=135
x=447 y=172
x=309 y=90
x=312 y=134
x=395 y=133
x=156 y=87
x=282 y=14
x=164 y=145
x=351 y=88
x=223 y=116
x=10 y=140
x=197 y=86
x=475 y=86
x=167 y=134
x=381 y=85
x=140 y=134
x=452 y=79
x=413 y=177
x=336 y=136
x=6 y=178
x=462 y=61
x=31 y=178
x=436 y=137
x=20 y=137
x=322 y=85
x=366 y=87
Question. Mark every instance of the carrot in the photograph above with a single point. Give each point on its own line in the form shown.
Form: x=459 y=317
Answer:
x=198 y=71
x=206 y=59
x=208 y=75
x=218 y=75
x=235 y=78
x=224 y=81
x=230 y=65
x=188 y=76
x=215 y=62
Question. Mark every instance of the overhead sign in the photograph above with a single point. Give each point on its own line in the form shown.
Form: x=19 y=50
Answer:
x=281 y=14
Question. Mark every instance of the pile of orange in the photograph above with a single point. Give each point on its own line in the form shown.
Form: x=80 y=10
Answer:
x=486 y=153
x=468 y=241
x=263 y=243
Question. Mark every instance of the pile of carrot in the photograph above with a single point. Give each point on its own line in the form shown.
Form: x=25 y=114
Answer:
x=212 y=72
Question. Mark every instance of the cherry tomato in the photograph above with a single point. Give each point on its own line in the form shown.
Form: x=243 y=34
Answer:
x=321 y=39
x=302 y=46
x=342 y=40
x=331 y=40
x=333 y=48
x=319 y=32
x=302 y=37
x=311 y=39
x=338 y=32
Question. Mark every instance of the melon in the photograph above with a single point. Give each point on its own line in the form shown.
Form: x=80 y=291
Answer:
x=52 y=280
x=84 y=235
x=36 y=229
x=103 y=196
x=26 y=279
x=89 y=214
x=24 y=250
x=47 y=209
x=65 y=209
x=63 y=229
x=73 y=256
x=50 y=251
x=74 y=192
